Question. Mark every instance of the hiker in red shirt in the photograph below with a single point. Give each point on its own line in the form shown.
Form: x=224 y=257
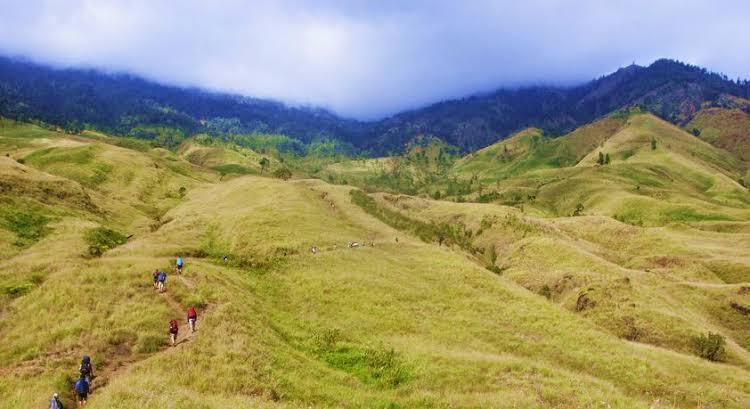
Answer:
x=192 y=316
x=173 y=329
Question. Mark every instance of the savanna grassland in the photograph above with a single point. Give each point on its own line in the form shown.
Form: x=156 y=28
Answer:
x=536 y=272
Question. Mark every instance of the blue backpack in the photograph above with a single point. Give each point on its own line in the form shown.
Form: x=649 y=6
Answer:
x=162 y=276
x=179 y=261
x=82 y=387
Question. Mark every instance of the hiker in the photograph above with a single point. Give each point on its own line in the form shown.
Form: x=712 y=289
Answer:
x=173 y=329
x=155 y=275
x=55 y=403
x=192 y=316
x=313 y=249
x=162 y=278
x=82 y=391
x=178 y=265
x=86 y=370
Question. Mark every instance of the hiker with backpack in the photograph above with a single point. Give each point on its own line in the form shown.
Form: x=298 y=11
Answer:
x=155 y=276
x=161 y=279
x=55 y=403
x=178 y=265
x=192 y=316
x=86 y=370
x=173 y=329
x=82 y=391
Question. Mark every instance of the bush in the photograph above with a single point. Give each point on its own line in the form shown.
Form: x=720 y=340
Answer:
x=102 y=239
x=28 y=226
x=710 y=346
x=282 y=173
x=578 y=210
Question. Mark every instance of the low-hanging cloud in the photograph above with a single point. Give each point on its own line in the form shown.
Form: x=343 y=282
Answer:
x=366 y=59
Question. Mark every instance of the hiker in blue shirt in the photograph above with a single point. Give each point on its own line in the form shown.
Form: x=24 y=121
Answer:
x=82 y=391
x=162 y=278
x=179 y=264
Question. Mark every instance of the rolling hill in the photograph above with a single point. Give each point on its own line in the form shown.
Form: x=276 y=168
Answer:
x=444 y=304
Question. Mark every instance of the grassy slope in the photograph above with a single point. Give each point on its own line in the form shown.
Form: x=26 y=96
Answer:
x=654 y=285
x=725 y=128
x=284 y=327
x=223 y=157
x=682 y=179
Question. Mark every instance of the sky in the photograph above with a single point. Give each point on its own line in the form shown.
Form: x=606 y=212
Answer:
x=369 y=59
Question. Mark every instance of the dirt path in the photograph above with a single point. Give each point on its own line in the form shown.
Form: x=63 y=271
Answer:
x=105 y=375
x=710 y=285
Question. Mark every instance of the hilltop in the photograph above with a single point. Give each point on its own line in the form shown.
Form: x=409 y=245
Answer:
x=527 y=301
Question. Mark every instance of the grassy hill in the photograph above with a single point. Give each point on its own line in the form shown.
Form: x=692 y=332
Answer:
x=223 y=158
x=401 y=321
x=728 y=129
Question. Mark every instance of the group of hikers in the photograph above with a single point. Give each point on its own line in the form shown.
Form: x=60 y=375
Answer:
x=86 y=370
x=160 y=277
x=81 y=387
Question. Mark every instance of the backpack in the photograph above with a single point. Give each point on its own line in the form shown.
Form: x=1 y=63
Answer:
x=173 y=327
x=179 y=261
x=162 y=276
x=191 y=313
x=82 y=387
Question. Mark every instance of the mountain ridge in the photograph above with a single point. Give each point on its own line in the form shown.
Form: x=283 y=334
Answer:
x=130 y=105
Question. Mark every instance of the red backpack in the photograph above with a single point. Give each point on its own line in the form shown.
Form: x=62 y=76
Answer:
x=191 y=313
x=173 y=327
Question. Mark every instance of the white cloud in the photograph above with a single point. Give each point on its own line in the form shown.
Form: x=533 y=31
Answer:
x=367 y=59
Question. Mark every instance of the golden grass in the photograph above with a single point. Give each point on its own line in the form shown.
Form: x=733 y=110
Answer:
x=281 y=327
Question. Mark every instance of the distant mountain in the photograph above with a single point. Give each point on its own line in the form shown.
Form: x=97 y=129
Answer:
x=124 y=104
x=128 y=105
x=667 y=88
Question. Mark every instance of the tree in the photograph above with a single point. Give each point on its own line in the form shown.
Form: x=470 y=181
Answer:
x=653 y=143
x=601 y=159
x=696 y=132
x=282 y=173
x=264 y=162
x=606 y=158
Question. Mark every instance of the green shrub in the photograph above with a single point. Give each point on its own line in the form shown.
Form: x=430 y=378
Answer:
x=18 y=290
x=282 y=173
x=495 y=269
x=546 y=292
x=578 y=210
x=29 y=226
x=710 y=346
x=102 y=239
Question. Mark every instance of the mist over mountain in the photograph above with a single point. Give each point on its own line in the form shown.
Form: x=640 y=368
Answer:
x=128 y=105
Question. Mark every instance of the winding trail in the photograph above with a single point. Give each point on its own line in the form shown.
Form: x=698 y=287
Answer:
x=105 y=375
